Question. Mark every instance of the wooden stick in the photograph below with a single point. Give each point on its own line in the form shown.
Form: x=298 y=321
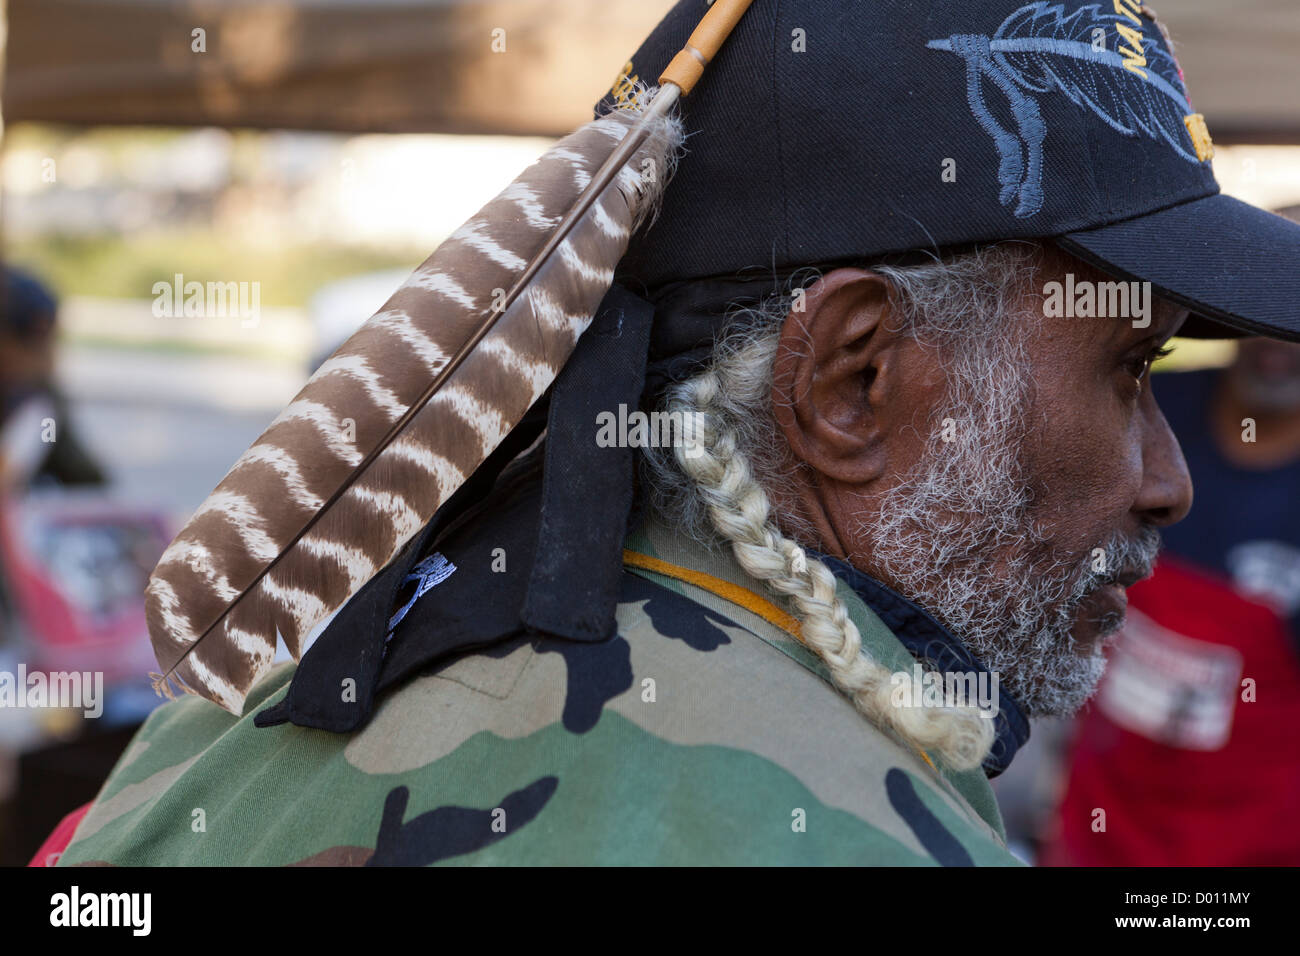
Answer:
x=688 y=66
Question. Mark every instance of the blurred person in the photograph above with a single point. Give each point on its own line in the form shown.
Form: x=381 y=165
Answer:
x=39 y=445
x=1192 y=748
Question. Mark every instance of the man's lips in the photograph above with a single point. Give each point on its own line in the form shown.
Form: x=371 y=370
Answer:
x=1103 y=612
x=1129 y=577
x=1114 y=597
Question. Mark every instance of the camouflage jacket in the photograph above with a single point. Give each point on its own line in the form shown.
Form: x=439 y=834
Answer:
x=704 y=732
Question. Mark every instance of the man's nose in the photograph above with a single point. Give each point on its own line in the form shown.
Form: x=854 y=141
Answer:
x=1166 y=494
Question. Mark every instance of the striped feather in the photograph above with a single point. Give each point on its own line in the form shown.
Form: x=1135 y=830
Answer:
x=268 y=552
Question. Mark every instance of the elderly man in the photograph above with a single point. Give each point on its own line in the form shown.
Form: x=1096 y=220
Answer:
x=900 y=303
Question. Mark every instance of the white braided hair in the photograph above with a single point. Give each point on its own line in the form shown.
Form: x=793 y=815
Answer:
x=714 y=483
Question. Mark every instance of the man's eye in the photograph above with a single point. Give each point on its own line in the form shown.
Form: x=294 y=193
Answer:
x=1140 y=365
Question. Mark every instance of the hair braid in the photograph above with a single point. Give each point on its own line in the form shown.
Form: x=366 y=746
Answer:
x=739 y=509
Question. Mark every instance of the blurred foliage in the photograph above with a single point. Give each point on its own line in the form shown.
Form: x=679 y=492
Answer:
x=123 y=146
x=1190 y=354
x=118 y=140
x=114 y=267
x=127 y=264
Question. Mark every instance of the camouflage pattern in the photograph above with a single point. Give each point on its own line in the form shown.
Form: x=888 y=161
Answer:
x=700 y=734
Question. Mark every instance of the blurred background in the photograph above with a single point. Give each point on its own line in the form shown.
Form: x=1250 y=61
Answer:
x=303 y=157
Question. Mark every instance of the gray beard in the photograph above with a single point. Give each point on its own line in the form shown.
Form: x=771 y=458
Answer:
x=958 y=537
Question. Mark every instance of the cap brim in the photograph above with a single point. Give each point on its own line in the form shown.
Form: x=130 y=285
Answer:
x=1221 y=258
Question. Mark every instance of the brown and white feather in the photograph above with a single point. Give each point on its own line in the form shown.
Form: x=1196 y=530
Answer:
x=212 y=620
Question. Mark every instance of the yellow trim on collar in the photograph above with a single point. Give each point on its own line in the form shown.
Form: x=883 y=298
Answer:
x=742 y=597
x=724 y=589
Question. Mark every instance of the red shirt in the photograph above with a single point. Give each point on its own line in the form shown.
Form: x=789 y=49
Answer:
x=1173 y=762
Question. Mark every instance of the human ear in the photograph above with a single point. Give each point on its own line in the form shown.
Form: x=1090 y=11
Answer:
x=834 y=367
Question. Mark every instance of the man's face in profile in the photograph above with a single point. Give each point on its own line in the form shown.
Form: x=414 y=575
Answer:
x=1024 y=487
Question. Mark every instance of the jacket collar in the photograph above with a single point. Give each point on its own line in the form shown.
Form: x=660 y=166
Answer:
x=928 y=640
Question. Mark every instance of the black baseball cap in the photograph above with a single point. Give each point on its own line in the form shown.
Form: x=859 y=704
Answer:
x=830 y=131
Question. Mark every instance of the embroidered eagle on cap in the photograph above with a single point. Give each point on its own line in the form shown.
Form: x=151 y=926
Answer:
x=1114 y=63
